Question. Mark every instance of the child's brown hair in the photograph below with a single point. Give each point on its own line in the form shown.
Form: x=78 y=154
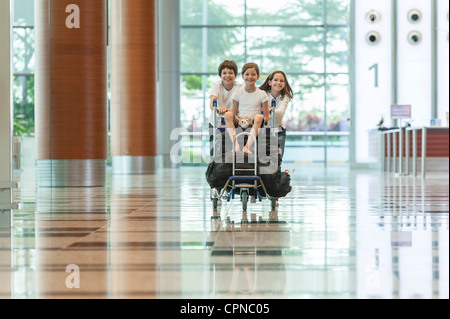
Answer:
x=287 y=91
x=228 y=64
x=250 y=65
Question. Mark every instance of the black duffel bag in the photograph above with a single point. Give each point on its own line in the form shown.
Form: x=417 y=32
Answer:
x=220 y=168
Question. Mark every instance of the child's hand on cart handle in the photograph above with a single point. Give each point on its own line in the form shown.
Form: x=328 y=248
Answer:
x=222 y=110
x=289 y=172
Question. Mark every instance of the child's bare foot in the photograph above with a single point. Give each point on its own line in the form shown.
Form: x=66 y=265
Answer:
x=246 y=150
x=237 y=148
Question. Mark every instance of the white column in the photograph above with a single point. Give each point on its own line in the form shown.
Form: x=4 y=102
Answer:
x=442 y=61
x=5 y=115
x=414 y=84
x=373 y=63
x=169 y=76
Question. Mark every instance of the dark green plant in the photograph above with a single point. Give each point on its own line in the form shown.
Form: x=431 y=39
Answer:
x=20 y=126
x=23 y=93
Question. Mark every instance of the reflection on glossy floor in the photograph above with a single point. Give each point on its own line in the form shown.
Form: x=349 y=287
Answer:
x=340 y=233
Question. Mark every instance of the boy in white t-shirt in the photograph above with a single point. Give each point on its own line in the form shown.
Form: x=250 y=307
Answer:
x=223 y=92
x=249 y=100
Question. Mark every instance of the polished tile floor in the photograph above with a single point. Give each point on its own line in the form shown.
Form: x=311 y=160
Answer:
x=340 y=233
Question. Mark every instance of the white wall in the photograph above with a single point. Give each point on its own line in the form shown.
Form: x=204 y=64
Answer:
x=406 y=80
x=371 y=102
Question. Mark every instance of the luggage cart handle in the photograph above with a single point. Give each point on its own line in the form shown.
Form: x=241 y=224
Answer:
x=274 y=106
x=272 y=116
x=214 y=126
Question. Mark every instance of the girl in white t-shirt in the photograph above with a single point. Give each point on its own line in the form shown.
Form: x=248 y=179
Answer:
x=248 y=100
x=277 y=87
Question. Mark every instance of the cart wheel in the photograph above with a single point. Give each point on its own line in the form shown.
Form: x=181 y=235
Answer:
x=273 y=203
x=214 y=200
x=244 y=199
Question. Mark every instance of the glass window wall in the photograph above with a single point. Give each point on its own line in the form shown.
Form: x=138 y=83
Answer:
x=308 y=40
x=23 y=67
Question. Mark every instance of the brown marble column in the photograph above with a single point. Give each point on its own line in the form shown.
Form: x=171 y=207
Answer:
x=133 y=86
x=6 y=162
x=71 y=92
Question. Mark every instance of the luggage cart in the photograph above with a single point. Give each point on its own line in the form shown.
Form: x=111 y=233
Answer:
x=246 y=185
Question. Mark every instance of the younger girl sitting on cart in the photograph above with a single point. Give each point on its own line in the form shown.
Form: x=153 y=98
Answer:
x=248 y=101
